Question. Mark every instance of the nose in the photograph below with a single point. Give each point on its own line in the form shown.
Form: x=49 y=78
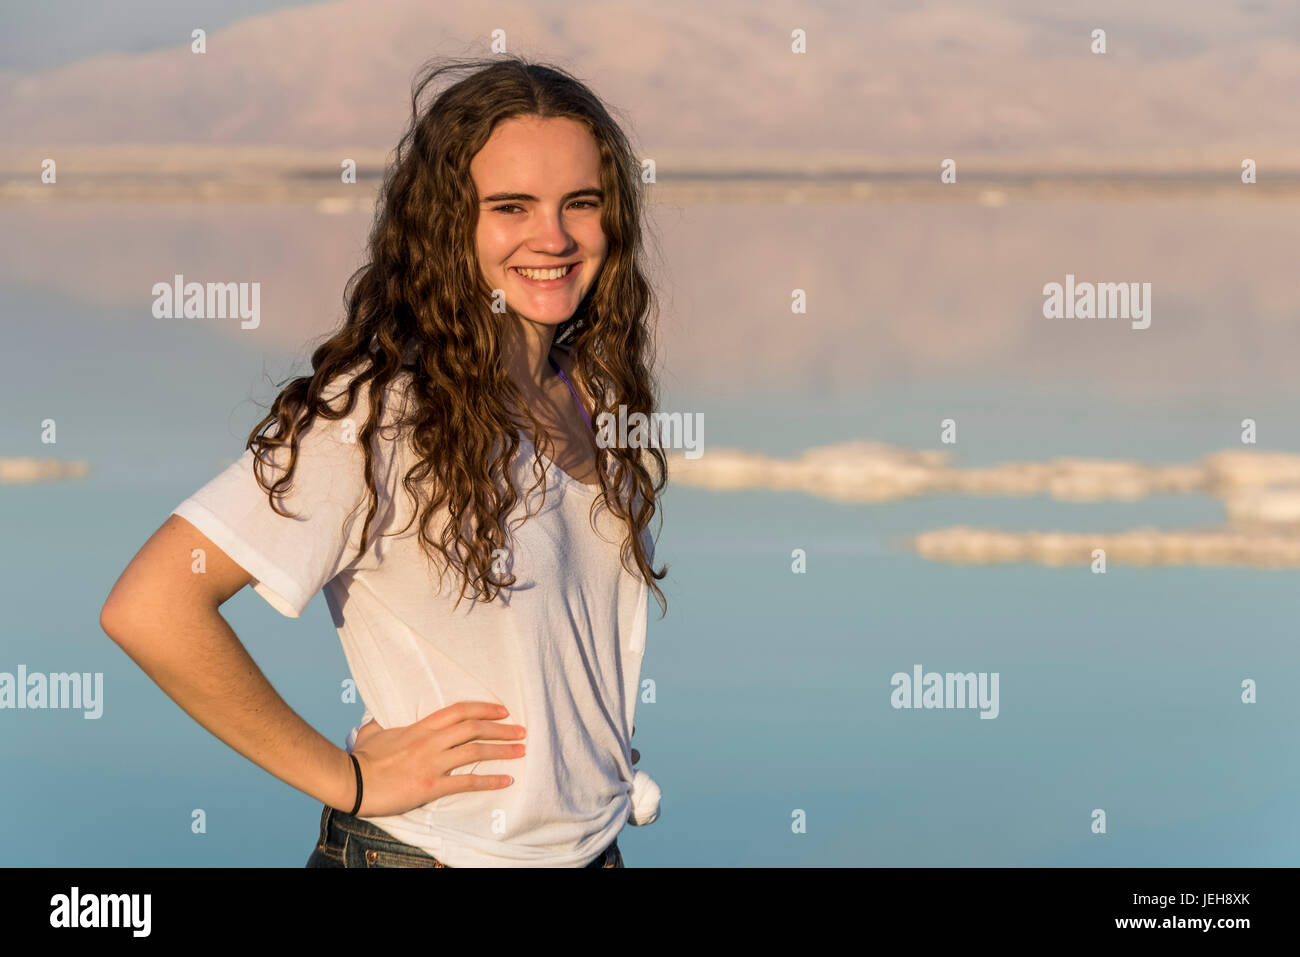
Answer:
x=549 y=235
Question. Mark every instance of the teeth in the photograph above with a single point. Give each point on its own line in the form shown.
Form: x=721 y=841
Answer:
x=543 y=273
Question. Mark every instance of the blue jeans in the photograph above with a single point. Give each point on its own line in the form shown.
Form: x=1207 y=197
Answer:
x=346 y=841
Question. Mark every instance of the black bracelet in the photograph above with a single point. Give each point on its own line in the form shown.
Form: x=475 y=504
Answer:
x=356 y=764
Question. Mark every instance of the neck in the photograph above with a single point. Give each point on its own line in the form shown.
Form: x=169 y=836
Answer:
x=527 y=350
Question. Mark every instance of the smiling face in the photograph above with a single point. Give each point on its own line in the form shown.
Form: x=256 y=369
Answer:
x=538 y=183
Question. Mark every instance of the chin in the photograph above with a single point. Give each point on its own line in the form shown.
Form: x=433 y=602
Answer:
x=547 y=318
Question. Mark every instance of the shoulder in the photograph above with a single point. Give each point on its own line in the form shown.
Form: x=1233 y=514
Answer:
x=334 y=441
x=393 y=395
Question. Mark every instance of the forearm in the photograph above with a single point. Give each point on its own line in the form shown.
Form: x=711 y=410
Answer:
x=199 y=662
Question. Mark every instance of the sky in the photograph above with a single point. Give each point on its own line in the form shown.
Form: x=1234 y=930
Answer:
x=39 y=36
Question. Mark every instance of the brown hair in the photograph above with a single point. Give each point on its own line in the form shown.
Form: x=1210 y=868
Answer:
x=422 y=294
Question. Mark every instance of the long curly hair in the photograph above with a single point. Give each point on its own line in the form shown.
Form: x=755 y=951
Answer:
x=422 y=295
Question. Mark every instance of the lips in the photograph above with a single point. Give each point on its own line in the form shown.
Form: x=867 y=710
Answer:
x=549 y=283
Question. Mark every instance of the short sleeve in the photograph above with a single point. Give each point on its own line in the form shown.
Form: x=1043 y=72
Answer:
x=291 y=558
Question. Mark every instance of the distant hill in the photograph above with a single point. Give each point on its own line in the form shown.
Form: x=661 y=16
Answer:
x=888 y=78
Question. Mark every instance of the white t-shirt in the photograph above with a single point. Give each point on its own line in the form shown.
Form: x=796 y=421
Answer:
x=561 y=649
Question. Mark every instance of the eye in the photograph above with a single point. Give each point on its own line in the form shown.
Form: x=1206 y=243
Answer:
x=591 y=204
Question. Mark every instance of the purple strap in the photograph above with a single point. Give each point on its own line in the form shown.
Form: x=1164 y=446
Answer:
x=581 y=408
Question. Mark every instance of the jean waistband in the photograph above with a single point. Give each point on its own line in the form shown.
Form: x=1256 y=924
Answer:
x=334 y=819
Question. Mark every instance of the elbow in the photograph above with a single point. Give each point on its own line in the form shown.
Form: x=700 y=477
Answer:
x=110 y=619
x=115 y=618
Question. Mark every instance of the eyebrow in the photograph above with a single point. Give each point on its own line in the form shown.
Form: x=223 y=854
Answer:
x=526 y=198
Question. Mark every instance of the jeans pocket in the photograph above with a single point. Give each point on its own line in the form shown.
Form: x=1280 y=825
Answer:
x=326 y=855
x=331 y=846
x=377 y=858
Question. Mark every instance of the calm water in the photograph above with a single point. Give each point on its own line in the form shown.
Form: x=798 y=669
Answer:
x=1118 y=692
x=772 y=694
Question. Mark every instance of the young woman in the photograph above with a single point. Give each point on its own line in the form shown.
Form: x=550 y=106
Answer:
x=486 y=561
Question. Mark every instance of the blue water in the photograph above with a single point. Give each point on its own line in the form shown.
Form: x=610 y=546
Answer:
x=1117 y=691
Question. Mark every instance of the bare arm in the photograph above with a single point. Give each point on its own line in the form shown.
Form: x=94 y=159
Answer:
x=166 y=618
